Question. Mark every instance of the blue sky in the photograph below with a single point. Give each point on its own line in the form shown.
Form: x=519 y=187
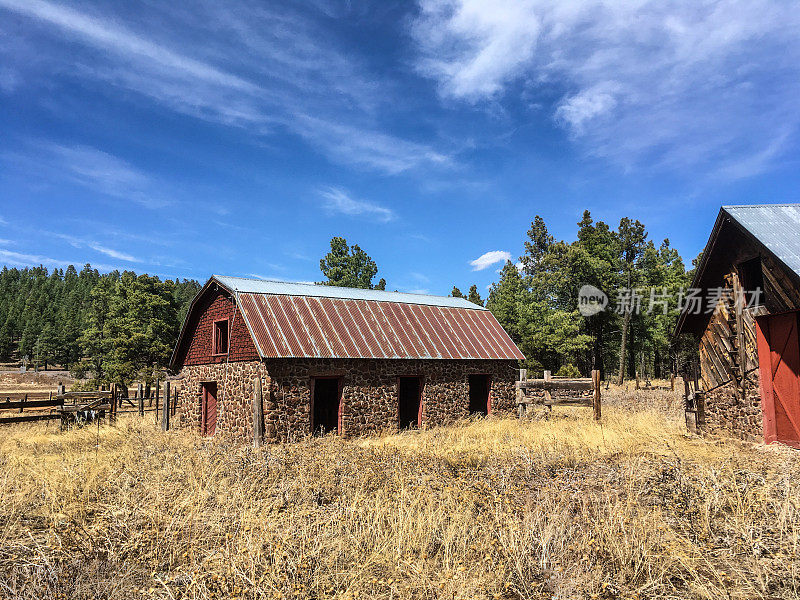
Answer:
x=237 y=138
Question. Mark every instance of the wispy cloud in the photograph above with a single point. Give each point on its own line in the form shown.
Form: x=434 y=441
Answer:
x=260 y=69
x=77 y=242
x=337 y=200
x=484 y=261
x=89 y=167
x=675 y=84
x=21 y=259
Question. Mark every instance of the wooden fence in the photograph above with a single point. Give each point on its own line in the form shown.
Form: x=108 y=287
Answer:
x=75 y=407
x=552 y=391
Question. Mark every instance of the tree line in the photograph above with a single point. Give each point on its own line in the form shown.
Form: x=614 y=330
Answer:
x=117 y=326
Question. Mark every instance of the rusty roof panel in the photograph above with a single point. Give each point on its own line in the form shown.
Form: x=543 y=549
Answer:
x=292 y=326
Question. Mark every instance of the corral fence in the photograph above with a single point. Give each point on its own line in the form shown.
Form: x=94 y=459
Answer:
x=552 y=391
x=81 y=407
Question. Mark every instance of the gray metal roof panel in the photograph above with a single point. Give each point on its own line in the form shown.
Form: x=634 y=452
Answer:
x=777 y=226
x=286 y=288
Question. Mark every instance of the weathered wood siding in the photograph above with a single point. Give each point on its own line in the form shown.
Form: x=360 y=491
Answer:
x=729 y=351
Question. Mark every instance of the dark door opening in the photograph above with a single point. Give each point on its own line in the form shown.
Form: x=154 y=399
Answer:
x=409 y=395
x=479 y=386
x=208 y=413
x=325 y=405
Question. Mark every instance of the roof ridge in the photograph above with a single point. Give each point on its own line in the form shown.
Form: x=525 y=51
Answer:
x=727 y=206
x=277 y=287
x=324 y=286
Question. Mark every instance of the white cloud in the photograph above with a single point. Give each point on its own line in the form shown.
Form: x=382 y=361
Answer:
x=672 y=83
x=245 y=66
x=336 y=200
x=473 y=47
x=484 y=261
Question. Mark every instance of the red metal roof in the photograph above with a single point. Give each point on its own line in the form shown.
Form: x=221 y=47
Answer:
x=304 y=326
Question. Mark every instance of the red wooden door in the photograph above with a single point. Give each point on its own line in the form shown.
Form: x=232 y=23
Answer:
x=779 y=368
x=208 y=418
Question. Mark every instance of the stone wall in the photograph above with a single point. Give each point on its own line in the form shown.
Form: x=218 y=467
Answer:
x=235 y=387
x=736 y=412
x=369 y=393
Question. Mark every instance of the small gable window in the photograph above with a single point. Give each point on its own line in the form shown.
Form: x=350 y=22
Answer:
x=219 y=340
x=752 y=279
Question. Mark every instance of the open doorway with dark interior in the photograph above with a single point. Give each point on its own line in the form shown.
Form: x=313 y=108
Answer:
x=409 y=394
x=326 y=395
x=479 y=386
x=208 y=412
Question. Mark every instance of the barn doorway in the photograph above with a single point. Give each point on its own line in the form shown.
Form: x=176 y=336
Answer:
x=409 y=397
x=479 y=387
x=325 y=402
x=779 y=368
x=208 y=412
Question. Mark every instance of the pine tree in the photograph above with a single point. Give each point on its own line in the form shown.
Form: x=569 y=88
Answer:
x=347 y=267
x=474 y=296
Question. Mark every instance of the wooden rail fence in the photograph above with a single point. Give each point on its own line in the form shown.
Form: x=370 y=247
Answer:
x=551 y=392
x=76 y=407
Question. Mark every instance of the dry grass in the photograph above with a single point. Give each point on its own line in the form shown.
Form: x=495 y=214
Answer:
x=559 y=508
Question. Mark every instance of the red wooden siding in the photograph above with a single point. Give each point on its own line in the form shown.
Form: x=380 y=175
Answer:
x=779 y=366
x=197 y=340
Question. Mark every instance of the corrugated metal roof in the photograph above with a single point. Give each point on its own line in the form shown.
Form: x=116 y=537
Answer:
x=777 y=226
x=330 y=322
x=286 y=288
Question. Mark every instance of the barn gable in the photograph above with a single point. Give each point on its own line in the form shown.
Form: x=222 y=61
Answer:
x=212 y=304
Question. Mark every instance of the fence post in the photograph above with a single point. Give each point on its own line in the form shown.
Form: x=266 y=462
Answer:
x=596 y=396
x=112 y=405
x=258 y=414
x=156 y=395
x=141 y=399
x=165 y=412
x=175 y=401
x=548 y=397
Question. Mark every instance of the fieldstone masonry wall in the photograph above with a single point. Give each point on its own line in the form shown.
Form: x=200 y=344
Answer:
x=235 y=387
x=369 y=394
x=732 y=412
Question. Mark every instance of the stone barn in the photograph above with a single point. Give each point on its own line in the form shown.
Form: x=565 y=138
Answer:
x=332 y=359
x=745 y=319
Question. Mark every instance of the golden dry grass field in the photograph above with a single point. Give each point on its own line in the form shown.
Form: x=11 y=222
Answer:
x=555 y=508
